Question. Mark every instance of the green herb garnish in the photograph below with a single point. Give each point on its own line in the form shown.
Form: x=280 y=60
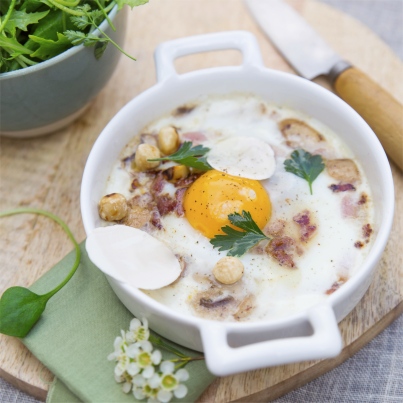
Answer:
x=32 y=31
x=193 y=157
x=238 y=242
x=305 y=165
x=21 y=308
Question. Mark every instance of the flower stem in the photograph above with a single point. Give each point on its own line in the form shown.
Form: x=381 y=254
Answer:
x=66 y=229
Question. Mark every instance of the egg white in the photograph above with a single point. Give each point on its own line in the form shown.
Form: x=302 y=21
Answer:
x=279 y=290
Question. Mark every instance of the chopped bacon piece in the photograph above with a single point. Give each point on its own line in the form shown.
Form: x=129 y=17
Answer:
x=158 y=184
x=183 y=110
x=367 y=230
x=363 y=199
x=179 y=195
x=306 y=228
x=358 y=244
x=156 y=219
x=276 y=228
x=336 y=285
x=211 y=304
x=281 y=249
x=185 y=182
x=341 y=187
x=165 y=204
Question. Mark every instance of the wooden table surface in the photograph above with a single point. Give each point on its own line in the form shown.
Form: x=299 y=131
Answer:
x=46 y=173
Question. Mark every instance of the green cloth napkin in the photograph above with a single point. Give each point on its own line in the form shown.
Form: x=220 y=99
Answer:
x=76 y=332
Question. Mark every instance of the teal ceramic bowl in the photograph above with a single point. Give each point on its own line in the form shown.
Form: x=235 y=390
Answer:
x=46 y=97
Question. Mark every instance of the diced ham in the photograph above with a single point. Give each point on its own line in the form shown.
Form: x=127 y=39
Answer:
x=348 y=207
x=194 y=137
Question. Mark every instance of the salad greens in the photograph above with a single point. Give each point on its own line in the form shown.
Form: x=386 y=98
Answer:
x=21 y=308
x=32 y=31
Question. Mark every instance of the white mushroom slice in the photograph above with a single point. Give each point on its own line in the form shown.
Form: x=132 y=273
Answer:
x=132 y=256
x=246 y=157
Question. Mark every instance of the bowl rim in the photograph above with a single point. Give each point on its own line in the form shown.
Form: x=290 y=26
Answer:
x=62 y=56
x=366 y=268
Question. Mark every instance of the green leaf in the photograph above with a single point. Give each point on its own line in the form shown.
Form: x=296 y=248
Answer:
x=48 y=48
x=130 y=3
x=190 y=156
x=21 y=20
x=13 y=47
x=305 y=165
x=49 y=27
x=20 y=309
x=238 y=242
x=99 y=50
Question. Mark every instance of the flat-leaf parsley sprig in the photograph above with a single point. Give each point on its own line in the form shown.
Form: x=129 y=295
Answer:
x=193 y=157
x=238 y=242
x=140 y=369
x=305 y=165
x=21 y=308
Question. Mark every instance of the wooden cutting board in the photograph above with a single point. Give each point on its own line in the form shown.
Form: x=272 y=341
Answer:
x=46 y=173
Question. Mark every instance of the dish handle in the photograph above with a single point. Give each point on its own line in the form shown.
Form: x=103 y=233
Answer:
x=167 y=52
x=223 y=360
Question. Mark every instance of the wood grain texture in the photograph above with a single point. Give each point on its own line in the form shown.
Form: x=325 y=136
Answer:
x=379 y=109
x=46 y=173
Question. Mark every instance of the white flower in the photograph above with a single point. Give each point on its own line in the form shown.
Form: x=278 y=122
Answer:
x=138 y=331
x=120 y=346
x=137 y=367
x=170 y=382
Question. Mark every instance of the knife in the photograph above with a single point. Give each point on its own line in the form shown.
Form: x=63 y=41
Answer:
x=310 y=56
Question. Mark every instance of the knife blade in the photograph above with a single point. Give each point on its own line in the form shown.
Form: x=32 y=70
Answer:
x=311 y=57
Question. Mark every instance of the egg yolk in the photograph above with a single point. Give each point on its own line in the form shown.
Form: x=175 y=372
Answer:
x=215 y=195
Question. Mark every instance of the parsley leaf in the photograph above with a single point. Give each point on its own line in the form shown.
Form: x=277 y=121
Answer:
x=305 y=165
x=193 y=157
x=238 y=242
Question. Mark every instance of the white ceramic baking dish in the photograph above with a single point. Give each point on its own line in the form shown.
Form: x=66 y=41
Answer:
x=237 y=347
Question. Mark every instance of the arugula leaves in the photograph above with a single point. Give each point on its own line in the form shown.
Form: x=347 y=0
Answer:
x=21 y=308
x=238 y=242
x=193 y=157
x=32 y=31
x=305 y=165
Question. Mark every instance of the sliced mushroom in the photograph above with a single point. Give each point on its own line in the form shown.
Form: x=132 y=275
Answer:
x=344 y=170
x=300 y=135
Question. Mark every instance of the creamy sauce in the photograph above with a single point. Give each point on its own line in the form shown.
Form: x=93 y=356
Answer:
x=330 y=257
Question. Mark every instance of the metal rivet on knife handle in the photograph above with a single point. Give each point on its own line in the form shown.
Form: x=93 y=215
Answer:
x=378 y=108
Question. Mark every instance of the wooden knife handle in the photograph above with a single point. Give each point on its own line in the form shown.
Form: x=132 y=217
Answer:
x=377 y=107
